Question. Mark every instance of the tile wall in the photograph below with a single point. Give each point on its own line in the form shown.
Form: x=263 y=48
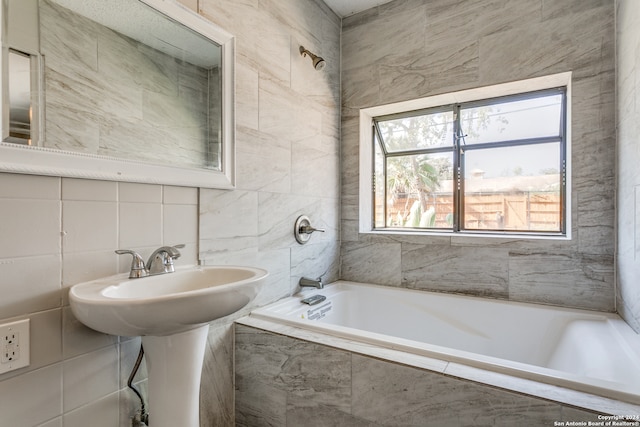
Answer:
x=287 y=159
x=57 y=232
x=628 y=196
x=408 y=49
x=286 y=381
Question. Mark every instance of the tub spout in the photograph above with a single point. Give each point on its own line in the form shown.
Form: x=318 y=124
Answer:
x=305 y=282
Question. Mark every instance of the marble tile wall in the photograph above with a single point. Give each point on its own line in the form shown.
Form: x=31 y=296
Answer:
x=57 y=232
x=286 y=381
x=111 y=104
x=408 y=49
x=628 y=189
x=287 y=164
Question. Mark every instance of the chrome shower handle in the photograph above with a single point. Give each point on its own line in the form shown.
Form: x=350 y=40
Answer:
x=303 y=229
x=307 y=229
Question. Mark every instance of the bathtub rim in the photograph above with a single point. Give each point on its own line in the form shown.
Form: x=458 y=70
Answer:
x=446 y=360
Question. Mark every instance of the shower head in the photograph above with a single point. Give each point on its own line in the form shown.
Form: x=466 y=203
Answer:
x=318 y=62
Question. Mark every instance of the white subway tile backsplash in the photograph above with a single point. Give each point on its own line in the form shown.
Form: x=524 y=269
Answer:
x=89 y=377
x=32 y=398
x=179 y=195
x=46 y=338
x=86 y=189
x=78 y=339
x=139 y=193
x=29 y=284
x=59 y=232
x=180 y=224
x=80 y=267
x=140 y=224
x=29 y=227
x=104 y=412
x=89 y=226
x=15 y=186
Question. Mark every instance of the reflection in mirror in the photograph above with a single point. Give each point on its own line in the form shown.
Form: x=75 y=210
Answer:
x=141 y=91
x=20 y=110
x=123 y=81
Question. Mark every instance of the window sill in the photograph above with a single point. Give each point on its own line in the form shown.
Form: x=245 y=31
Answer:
x=472 y=234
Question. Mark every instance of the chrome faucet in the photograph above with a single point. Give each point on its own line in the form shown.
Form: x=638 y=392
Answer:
x=138 y=269
x=160 y=261
x=305 y=282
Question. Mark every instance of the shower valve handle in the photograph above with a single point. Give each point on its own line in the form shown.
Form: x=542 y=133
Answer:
x=303 y=229
x=307 y=229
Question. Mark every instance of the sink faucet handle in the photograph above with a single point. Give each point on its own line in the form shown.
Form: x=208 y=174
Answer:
x=137 y=264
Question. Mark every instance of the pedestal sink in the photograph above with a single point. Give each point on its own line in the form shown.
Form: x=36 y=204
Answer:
x=170 y=311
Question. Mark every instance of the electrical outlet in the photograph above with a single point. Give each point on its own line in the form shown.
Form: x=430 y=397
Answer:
x=14 y=345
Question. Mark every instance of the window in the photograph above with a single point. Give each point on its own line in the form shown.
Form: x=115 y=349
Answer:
x=496 y=165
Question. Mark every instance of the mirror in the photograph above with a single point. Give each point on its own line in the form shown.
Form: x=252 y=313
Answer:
x=136 y=91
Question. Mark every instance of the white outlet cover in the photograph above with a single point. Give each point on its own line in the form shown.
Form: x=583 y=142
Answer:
x=14 y=345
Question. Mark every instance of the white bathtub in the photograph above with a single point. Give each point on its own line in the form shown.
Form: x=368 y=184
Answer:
x=591 y=352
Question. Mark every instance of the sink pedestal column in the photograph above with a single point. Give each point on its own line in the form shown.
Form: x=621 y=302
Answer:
x=174 y=366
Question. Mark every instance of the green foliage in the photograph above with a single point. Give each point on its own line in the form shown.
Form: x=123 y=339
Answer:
x=420 y=219
x=419 y=176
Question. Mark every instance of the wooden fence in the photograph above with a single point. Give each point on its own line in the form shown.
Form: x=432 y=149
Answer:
x=535 y=211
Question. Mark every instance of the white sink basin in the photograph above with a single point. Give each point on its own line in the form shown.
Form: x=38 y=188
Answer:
x=164 y=304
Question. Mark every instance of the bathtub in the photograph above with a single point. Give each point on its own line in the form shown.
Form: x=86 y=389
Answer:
x=590 y=352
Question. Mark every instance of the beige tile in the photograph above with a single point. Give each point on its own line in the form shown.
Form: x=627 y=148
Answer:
x=30 y=284
x=32 y=398
x=84 y=266
x=17 y=186
x=179 y=195
x=89 y=377
x=77 y=339
x=46 y=338
x=140 y=224
x=30 y=227
x=104 y=412
x=85 y=189
x=139 y=193
x=45 y=341
x=89 y=225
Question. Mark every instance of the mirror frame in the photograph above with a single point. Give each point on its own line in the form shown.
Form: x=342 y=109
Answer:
x=44 y=161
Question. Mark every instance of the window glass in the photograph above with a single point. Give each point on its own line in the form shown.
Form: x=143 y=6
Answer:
x=513 y=188
x=427 y=130
x=493 y=165
x=379 y=185
x=420 y=191
x=538 y=117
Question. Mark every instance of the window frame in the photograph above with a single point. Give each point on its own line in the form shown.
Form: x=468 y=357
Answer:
x=468 y=98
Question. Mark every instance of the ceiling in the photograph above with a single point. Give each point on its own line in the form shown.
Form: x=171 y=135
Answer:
x=346 y=8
